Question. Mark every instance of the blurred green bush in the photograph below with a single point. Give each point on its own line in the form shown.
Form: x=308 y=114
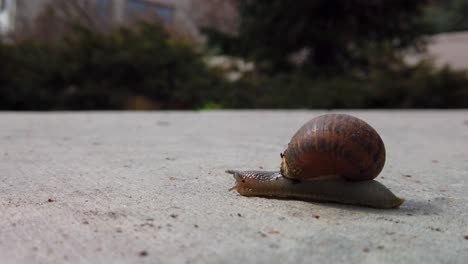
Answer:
x=417 y=86
x=143 y=68
x=138 y=68
x=446 y=16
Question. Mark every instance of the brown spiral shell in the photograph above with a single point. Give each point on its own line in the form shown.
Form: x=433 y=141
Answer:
x=334 y=144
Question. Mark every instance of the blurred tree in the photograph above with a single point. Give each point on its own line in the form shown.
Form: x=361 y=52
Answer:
x=139 y=68
x=328 y=35
x=447 y=15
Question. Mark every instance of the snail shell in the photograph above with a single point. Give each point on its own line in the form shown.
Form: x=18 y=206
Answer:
x=332 y=158
x=334 y=144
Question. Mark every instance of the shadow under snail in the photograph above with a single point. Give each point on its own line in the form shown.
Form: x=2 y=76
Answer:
x=331 y=158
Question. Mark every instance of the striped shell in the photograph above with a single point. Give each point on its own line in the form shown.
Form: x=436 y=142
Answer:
x=334 y=144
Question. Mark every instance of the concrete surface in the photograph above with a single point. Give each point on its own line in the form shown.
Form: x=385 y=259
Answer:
x=445 y=49
x=450 y=48
x=150 y=187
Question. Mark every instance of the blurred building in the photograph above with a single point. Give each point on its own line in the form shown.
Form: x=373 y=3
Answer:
x=188 y=16
x=7 y=15
x=17 y=15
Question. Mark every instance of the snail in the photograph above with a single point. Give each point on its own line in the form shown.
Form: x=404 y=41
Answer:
x=331 y=158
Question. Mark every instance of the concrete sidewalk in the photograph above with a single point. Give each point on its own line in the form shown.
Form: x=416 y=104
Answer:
x=120 y=187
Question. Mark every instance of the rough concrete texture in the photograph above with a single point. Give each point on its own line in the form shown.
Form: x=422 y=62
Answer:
x=150 y=187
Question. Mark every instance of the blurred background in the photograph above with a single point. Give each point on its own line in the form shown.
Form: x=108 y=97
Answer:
x=215 y=54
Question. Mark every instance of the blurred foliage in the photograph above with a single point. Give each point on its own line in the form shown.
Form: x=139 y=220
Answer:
x=334 y=34
x=418 y=86
x=446 y=16
x=140 y=68
x=349 y=54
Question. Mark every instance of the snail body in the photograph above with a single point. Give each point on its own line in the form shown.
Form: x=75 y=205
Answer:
x=331 y=158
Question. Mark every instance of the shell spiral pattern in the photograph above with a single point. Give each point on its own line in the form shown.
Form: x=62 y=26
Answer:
x=334 y=144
